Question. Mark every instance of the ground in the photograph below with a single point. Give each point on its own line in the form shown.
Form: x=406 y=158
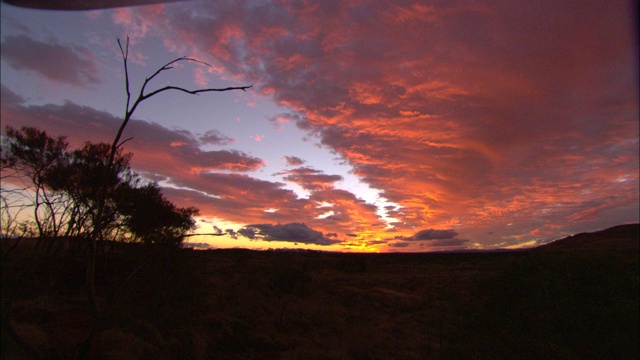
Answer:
x=559 y=301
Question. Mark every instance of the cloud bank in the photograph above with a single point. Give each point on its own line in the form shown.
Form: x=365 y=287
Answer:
x=469 y=114
x=512 y=117
x=292 y=232
x=70 y=64
x=218 y=182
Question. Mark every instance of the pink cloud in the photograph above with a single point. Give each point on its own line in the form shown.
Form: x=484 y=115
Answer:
x=137 y=22
x=157 y=150
x=467 y=115
x=463 y=114
x=201 y=177
x=310 y=179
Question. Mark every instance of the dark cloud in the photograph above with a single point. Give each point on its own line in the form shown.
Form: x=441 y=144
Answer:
x=432 y=234
x=449 y=243
x=398 y=244
x=360 y=244
x=432 y=238
x=311 y=179
x=282 y=118
x=248 y=232
x=294 y=161
x=15 y=23
x=218 y=230
x=215 y=137
x=9 y=98
x=66 y=63
x=292 y=232
x=83 y=5
x=375 y=242
x=199 y=246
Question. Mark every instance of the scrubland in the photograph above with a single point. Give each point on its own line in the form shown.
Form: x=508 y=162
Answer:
x=562 y=301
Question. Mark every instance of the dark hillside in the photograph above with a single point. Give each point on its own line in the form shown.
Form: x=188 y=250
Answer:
x=622 y=237
x=242 y=304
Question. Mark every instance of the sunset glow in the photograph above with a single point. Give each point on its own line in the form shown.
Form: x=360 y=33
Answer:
x=371 y=125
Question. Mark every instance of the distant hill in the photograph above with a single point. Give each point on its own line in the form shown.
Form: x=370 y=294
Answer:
x=621 y=237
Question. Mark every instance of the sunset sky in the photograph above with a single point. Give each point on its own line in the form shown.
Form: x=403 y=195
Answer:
x=371 y=125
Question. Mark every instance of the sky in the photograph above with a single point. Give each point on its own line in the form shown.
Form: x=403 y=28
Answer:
x=371 y=125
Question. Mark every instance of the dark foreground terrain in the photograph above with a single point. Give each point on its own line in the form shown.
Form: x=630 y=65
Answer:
x=574 y=299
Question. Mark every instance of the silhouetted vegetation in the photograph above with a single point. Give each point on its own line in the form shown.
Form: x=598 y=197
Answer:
x=87 y=196
x=238 y=304
x=63 y=188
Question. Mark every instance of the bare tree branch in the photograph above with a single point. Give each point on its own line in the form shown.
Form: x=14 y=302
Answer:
x=124 y=141
x=125 y=56
x=82 y=349
x=195 y=92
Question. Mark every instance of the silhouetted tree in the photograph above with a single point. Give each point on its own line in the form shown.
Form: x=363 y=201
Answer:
x=68 y=187
x=134 y=210
x=153 y=219
x=130 y=108
x=81 y=179
x=11 y=205
x=31 y=154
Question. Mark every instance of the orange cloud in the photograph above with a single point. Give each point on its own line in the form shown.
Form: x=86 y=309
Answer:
x=515 y=115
